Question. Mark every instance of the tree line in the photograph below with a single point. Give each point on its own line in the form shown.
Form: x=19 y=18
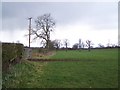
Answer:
x=45 y=24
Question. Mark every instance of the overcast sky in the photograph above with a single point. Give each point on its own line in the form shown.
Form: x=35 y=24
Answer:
x=95 y=21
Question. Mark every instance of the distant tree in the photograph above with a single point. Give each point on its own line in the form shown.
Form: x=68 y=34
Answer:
x=83 y=45
x=66 y=43
x=113 y=45
x=89 y=44
x=108 y=44
x=51 y=45
x=80 y=44
x=100 y=45
x=57 y=43
x=75 y=46
x=44 y=25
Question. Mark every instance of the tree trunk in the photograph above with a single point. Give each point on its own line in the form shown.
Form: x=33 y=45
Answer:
x=47 y=45
x=66 y=48
x=89 y=48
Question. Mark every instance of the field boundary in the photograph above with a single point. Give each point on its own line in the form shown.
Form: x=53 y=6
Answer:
x=56 y=60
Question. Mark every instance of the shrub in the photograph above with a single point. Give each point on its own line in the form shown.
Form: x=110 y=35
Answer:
x=11 y=54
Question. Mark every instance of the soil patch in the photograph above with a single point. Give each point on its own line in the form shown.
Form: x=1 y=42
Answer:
x=42 y=55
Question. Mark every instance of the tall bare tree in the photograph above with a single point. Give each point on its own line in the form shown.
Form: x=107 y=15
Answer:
x=44 y=25
x=89 y=44
x=66 y=43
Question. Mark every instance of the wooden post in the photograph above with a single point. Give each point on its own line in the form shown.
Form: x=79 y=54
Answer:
x=29 y=29
x=29 y=50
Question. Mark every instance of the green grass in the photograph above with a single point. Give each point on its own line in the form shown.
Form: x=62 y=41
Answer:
x=23 y=75
x=98 y=54
x=100 y=72
x=79 y=75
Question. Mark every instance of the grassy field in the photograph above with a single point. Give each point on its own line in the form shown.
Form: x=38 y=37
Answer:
x=101 y=54
x=96 y=69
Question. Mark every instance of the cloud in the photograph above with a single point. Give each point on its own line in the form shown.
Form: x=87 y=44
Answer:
x=72 y=33
x=96 y=21
x=60 y=0
x=100 y=15
x=85 y=32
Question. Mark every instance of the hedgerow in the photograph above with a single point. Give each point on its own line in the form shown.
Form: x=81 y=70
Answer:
x=11 y=54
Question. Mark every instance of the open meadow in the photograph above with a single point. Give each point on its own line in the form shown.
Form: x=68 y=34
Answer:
x=60 y=44
x=95 y=69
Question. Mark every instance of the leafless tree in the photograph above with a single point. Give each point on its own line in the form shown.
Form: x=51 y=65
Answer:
x=57 y=43
x=80 y=44
x=108 y=44
x=113 y=45
x=89 y=44
x=83 y=45
x=66 y=43
x=100 y=45
x=44 y=25
x=75 y=46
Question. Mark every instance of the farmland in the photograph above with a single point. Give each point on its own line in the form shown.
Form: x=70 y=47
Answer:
x=95 y=69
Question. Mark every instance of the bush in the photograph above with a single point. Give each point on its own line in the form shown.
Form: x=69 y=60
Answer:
x=11 y=54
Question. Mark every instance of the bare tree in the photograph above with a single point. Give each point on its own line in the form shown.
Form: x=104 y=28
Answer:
x=57 y=43
x=108 y=44
x=75 y=46
x=83 y=45
x=89 y=44
x=100 y=45
x=66 y=43
x=44 y=25
x=80 y=44
x=113 y=45
x=51 y=45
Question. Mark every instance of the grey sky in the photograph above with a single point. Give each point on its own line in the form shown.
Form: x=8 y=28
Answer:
x=99 y=14
x=97 y=21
